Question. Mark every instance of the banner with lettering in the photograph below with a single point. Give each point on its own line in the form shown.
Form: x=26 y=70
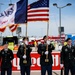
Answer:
x=35 y=57
x=14 y=14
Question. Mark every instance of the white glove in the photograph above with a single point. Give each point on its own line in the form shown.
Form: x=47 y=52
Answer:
x=46 y=52
x=61 y=65
x=24 y=56
x=48 y=42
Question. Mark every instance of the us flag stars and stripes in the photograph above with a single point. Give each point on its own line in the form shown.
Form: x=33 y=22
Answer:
x=38 y=11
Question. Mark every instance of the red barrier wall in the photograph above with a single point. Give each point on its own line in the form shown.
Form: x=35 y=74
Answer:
x=36 y=62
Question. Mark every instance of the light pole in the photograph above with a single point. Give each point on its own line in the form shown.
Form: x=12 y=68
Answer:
x=55 y=4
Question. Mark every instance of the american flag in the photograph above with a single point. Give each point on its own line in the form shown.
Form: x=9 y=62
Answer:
x=2 y=29
x=13 y=27
x=38 y=11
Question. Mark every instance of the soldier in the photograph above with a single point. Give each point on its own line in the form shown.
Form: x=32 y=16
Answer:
x=68 y=57
x=6 y=56
x=45 y=51
x=23 y=53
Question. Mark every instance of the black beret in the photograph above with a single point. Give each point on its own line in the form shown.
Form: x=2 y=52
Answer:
x=68 y=39
x=44 y=37
x=25 y=38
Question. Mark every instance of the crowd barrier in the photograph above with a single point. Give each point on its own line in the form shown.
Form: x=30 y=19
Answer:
x=35 y=58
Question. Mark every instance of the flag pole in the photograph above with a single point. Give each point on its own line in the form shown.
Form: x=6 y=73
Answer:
x=47 y=29
x=27 y=20
x=47 y=60
x=26 y=29
x=25 y=61
x=47 y=32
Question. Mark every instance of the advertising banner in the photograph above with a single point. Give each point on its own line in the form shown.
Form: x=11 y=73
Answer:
x=35 y=57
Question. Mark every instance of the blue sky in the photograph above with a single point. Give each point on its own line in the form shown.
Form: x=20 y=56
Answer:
x=40 y=28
